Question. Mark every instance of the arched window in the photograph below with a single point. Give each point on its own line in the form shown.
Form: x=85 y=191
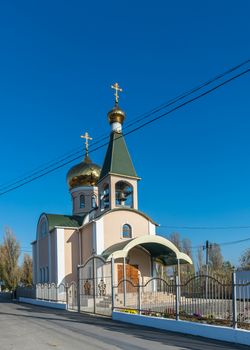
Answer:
x=82 y=201
x=93 y=201
x=123 y=194
x=104 y=197
x=126 y=231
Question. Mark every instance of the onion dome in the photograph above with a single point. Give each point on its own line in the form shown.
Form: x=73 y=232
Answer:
x=116 y=115
x=85 y=173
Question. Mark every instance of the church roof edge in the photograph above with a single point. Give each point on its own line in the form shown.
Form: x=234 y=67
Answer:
x=128 y=209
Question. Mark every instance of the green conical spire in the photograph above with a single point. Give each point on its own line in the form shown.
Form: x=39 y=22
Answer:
x=117 y=160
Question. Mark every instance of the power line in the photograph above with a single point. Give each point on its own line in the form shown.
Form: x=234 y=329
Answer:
x=136 y=120
x=211 y=244
x=135 y=129
x=234 y=242
x=205 y=227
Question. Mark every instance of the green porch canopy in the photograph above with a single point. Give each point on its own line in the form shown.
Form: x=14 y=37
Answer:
x=159 y=248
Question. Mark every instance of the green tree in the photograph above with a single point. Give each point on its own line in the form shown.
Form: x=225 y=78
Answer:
x=26 y=271
x=9 y=255
x=245 y=260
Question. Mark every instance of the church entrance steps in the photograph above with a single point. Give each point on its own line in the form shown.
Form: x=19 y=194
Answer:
x=147 y=298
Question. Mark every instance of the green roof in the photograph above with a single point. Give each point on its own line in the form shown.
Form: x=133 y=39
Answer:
x=55 y=220
x=117 y=159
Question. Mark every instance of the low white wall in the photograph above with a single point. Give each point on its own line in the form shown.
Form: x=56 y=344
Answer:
x=46 y=303
x=239 y=336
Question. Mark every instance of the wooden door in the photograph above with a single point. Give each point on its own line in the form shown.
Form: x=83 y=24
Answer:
x=131 y=275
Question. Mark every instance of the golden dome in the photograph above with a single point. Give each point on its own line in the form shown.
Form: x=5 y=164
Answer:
x=85 y=173
x=116 y=115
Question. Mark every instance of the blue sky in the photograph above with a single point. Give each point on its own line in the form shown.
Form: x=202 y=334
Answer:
x=57 y=62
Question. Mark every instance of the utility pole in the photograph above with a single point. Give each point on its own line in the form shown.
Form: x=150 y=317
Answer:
x=207 y=247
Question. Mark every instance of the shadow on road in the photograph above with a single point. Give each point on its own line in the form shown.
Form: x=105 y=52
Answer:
x=72 y=321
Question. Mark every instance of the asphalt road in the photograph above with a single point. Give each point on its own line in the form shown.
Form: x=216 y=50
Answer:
x=28 y=327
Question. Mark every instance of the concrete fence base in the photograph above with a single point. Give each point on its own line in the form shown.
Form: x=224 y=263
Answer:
x=52 y=304
x=239 y=336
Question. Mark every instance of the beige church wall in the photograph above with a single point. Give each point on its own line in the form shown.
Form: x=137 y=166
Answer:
x=71 y=254
x=43 y=252
x=114 y=221
x=53 y=257
x=87 y=242
x=139 y=257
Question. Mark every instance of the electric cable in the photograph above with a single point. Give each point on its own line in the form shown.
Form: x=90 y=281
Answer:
x=134 y=129
x=134 y=121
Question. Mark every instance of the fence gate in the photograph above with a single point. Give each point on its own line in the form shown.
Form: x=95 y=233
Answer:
x=95 y=287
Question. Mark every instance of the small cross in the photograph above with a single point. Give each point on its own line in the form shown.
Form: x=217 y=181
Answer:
x=117 y=88
x=87 y=138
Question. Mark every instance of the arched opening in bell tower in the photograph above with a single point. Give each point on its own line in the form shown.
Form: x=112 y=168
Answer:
x=124 y=194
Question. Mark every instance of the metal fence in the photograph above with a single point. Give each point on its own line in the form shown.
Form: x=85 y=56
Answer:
x=200 y=299
x=95 y=287
x=63 y=293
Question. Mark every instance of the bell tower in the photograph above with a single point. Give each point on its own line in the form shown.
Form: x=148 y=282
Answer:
x=118 y=179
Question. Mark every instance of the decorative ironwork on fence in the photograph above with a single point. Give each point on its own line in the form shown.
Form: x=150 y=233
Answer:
x=95 y=286
x=63 y=293
x=201 y=298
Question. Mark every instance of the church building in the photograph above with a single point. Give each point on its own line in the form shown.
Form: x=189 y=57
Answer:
x=105 y=220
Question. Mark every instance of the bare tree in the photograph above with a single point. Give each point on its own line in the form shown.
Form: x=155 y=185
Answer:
x=187 y=247
x=187 y=269
x=9 y=255
x=26 y=270
x=200 y=257
x=215 y=258
x=245 y=260
x=176 y=239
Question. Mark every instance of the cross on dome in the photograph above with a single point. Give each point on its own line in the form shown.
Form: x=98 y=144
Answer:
x=117 y=88
x=87 y=138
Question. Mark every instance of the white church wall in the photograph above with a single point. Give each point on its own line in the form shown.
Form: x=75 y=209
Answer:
x=151 y=228
x=60 y=255
x=53 y=258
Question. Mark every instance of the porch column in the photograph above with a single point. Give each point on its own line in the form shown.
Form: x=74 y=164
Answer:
x=124 y=282
x=179 y=276
x=154 y=274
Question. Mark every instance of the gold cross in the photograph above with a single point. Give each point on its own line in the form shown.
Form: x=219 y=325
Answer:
x=87 y=138
x=117 y=88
